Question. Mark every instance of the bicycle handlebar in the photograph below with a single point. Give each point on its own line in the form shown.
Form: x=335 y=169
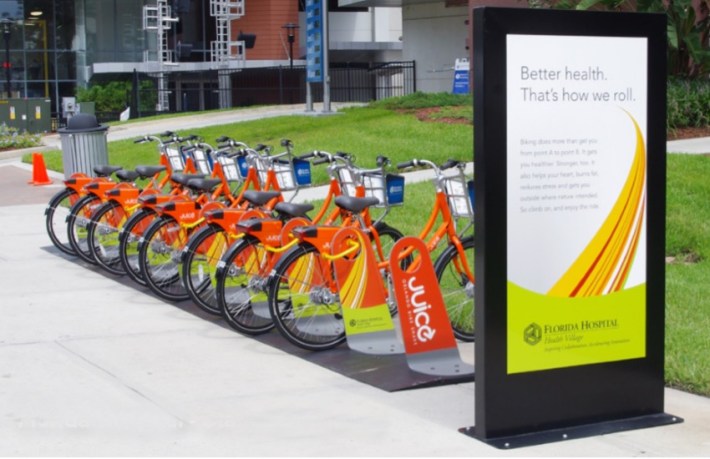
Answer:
x=189 y=138
x=309 y=155
x=449 y=163
x=406 y=164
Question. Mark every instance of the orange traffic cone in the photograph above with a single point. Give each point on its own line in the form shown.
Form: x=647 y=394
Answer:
x=39 y=170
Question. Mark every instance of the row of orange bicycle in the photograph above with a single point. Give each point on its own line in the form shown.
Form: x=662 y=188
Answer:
x=219 y=225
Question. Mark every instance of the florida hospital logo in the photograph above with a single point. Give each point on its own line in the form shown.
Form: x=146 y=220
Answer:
x=532 y=334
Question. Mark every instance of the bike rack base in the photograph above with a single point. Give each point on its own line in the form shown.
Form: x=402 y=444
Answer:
x=378 y=343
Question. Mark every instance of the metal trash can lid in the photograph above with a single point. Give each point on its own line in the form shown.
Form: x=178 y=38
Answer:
x=82 y=122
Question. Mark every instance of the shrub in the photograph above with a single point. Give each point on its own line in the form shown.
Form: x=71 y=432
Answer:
x=688 y=103
x=12 y=138
x=114 y=96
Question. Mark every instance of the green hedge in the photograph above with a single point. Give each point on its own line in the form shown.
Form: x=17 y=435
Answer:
x=688 y=103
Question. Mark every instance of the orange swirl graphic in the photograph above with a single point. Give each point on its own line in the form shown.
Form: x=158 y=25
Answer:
x=604 y=265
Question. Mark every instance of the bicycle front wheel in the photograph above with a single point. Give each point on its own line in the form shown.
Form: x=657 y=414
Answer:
x=242 y=281
x=159 y=256
x=78 y=223
x=304 y=301
x=128 y=240
x=388 y=236
x=56 y=215
x=199 y=262
x=102 y=236
x=457 y=288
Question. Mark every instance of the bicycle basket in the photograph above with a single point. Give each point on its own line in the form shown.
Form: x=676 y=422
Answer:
x=290 y=174
x=459 y=197
x=346 y=178
x=203 y=161
x=230 y=168
x=174 y=155
x=388 y=189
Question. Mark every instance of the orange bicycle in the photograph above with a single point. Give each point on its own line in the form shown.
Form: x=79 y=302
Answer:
x=205 y=247
x=160 y=251
x=302 y=291
x=57 y=211
x=303 y=294
x=179 y=171
x=243 y=271
x=453 y=208
x=94 y=195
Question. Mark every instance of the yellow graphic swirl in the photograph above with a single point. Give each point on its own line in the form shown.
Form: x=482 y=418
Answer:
x=604 y=265
x=352 y=289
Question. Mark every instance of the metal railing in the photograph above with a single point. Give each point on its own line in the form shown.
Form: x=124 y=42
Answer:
x=349 y=82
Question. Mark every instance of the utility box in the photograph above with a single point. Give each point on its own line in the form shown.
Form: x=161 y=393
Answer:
x=68 y=107
x=31 y=115
x=84 y=145
x=39 y=115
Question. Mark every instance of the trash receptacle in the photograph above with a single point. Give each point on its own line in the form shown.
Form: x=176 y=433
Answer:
x=84 y=145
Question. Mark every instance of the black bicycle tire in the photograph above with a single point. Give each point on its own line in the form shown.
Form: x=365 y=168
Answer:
x=145 y=251
x=125 y=237
x=203 y=295
x=463 y=329
x=278 y=316
x=85 y=255
x=384 y=230
x=232 y=314
x=115 y=267
x=50 y=213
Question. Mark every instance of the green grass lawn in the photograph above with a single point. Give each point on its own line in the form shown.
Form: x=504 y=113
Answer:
x=369 y=131
x=365 y=132
x=688 y=273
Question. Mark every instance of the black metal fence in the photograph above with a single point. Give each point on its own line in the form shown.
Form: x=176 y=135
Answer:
x=349 y=82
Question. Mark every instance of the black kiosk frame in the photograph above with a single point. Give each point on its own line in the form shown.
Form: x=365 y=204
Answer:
x=553 y=401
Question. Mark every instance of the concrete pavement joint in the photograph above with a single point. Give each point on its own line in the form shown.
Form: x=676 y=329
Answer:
x=118 y=381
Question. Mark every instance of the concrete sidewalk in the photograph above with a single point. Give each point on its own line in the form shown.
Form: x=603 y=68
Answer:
x=183 y=124
x=94 y=365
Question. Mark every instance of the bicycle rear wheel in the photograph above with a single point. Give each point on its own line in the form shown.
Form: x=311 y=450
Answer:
x=304 y=301
x=102 y=236
x=128 y=240
x=457 y=289
x=77 y=226
x=242 y=287
x=199 y=261
x=159 y=256
x=56 y=215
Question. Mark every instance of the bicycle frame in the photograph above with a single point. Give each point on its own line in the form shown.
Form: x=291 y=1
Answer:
x=447 y=228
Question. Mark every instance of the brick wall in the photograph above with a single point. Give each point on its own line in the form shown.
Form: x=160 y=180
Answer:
x=265 y=18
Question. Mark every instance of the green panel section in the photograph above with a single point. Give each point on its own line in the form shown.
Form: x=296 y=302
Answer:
x=367 y=320
x=546 y=332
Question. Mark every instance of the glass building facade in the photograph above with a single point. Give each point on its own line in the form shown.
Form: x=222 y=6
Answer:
x=52 y=44
x=55 y=46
